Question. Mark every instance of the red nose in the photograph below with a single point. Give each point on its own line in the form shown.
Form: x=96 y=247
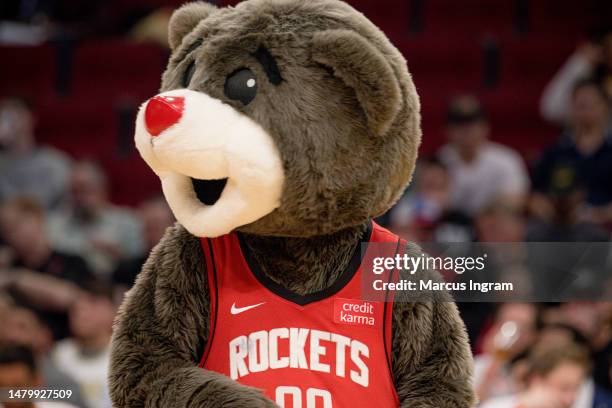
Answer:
x=162 y=112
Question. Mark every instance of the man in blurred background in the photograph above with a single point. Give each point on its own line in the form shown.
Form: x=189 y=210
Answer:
x=25 y=168
x=91 y=226
x=39 y=276
x=424 y=213
x=582 y=156
x=481 y=171
x=85 y=355
x=592 y=59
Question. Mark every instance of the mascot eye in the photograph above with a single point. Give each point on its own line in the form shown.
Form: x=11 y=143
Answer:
x=188 y=74
x=241 y=86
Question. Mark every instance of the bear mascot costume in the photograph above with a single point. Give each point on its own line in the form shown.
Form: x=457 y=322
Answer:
x=282 y=129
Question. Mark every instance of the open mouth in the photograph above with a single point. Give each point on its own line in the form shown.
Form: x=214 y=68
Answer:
x=208 y=191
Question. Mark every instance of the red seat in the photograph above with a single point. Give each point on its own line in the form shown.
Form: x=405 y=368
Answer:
x=468 y=17
x=533 y=60
x=448 y=66
x=82 y=127
x=568 y=17
x=105 y=69
x=27 y=71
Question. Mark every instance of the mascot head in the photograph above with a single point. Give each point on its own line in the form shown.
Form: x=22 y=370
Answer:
x=281 y=118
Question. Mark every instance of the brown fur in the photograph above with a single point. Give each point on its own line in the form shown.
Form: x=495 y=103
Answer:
x=345 y=119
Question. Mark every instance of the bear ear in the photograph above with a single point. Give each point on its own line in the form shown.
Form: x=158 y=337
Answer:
x=185 y=19
x=364 y=68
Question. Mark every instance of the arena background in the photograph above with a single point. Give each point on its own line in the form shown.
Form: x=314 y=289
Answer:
x=72 y=186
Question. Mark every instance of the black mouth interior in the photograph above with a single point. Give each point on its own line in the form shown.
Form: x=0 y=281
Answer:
x=208 y=191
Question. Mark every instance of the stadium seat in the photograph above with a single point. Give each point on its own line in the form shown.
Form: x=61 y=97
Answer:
x=28 y=72
x=110 y=68
x=81 y=127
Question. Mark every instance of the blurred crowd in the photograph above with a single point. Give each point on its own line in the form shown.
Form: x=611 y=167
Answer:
x=528 y=355
x=68 y=254
x=545 y=356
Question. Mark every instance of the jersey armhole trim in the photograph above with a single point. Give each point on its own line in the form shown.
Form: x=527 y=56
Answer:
x=213 y=289
x=388 y=318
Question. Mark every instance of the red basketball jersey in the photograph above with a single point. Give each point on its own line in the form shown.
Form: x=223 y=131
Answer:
x=328 y=349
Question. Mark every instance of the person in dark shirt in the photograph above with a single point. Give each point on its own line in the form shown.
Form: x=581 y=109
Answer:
x=581 y=157
x=40 y=278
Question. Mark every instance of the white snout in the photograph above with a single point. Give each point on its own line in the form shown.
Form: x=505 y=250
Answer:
x=213 y=141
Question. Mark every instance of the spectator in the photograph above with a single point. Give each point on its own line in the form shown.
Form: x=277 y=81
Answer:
x=555 y=376
x=23 y=328
x=513 y=331
x=499 y=222
x=24 y=228
x=25 y=168
x=581 y=157
x=18 y=370
x=423 y=213
x=500 y=231
x=92 y=227
x=481 y=171
x=593 y=59
x=592 y=320
x=40 y=277
x=156 y=217
x=85 y=356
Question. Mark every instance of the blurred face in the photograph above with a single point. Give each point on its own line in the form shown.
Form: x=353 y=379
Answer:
x=589 y=108
x=91 y=317
x=22 y=327
x=17 y=376
x=16 y=124
x=156 y=217
x=433 y=183
x=22 y=230
x=87 y=193
x=498 y=226
x=468 y=137
x=555 y=336
x=564 y=382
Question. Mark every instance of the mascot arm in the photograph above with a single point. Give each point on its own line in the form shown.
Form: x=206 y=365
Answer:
x=432 y=361
x=160 y=333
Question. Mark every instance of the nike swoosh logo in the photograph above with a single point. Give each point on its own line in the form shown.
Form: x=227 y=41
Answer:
x=237 y=310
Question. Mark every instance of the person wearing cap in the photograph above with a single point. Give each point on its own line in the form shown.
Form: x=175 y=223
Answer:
x=481 y=171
